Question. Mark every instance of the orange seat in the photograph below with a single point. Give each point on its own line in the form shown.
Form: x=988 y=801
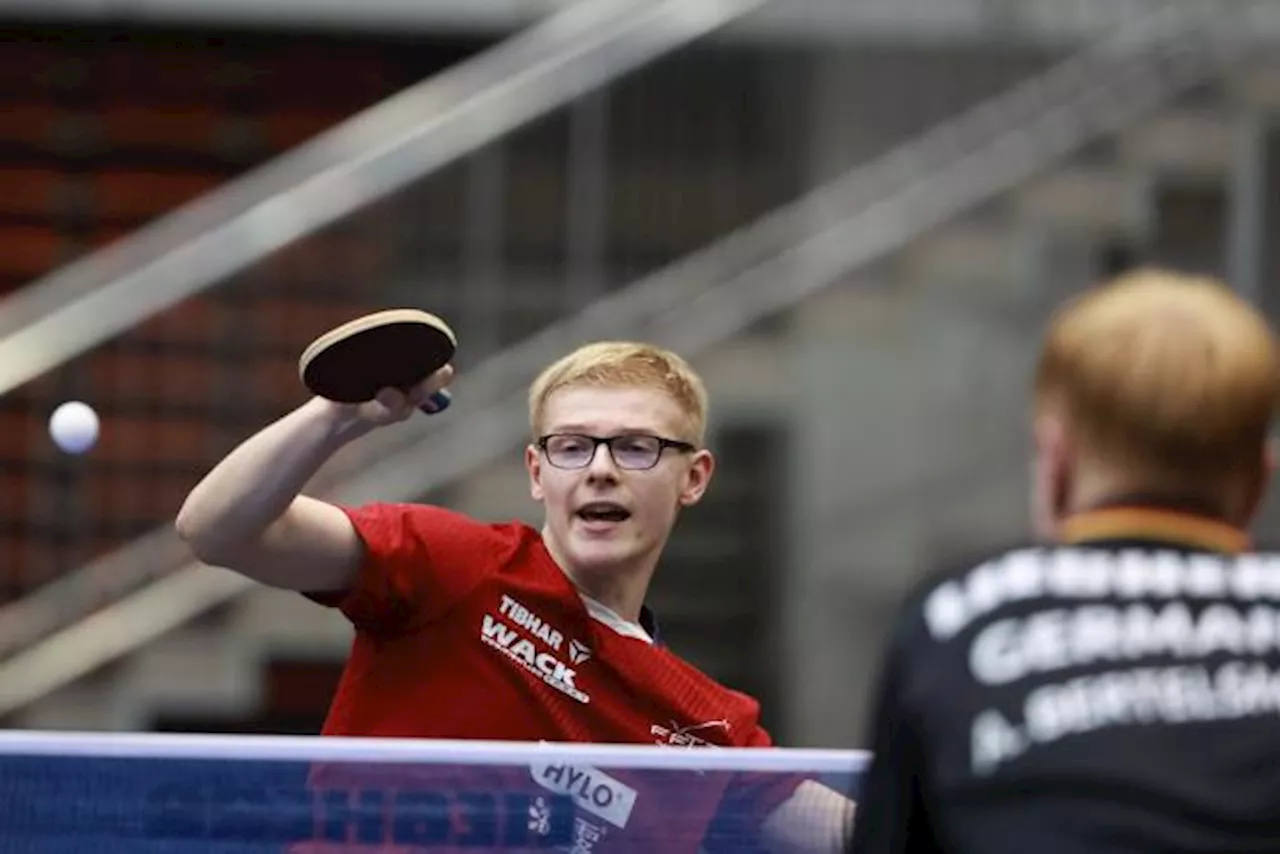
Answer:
x=12 y=568
x=274 y=383
x=29 y=252
x=125 y=499
x=158 y=126
x=25 y=563
x=290 y=324
x=106 y=235
x=286 y=128
x=121 y=439
x=30 y=191
x=155 y=439
x=184 y=441
x=196 y=321
x=14 y=488
x=141 y=195
x=110 y=504
x=22 y=419
x=31 y=123
x=107 y=497
x=176 y=379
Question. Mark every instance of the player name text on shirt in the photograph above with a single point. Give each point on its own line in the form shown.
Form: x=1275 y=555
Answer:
x=1142 y=638
x=1029 y=574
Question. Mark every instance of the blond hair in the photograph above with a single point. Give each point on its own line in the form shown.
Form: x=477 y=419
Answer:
x=625 y=364
x=1171 y=373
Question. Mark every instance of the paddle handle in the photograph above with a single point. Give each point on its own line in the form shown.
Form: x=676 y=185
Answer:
x=437 y=403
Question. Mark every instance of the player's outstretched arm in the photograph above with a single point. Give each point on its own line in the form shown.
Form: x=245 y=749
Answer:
x=247 y=513
x=814 y=820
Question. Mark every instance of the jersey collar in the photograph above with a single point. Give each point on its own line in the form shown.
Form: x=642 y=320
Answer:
x=646 y=630
x=1160 y=523
x=649 y=622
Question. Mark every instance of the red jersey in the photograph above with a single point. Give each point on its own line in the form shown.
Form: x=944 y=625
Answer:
x=468 y=630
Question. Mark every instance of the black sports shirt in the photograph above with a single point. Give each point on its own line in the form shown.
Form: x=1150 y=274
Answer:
x=1119 y=692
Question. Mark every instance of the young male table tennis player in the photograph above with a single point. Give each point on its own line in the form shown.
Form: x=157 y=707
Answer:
x=499 y=631
x=1115 y=690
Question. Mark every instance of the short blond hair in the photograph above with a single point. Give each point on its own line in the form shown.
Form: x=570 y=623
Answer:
x=625 y=364
x=1169 y=372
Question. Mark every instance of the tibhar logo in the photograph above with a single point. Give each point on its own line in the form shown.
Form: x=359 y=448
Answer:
x=686 y=736
x=544 y=665
x=526 y=619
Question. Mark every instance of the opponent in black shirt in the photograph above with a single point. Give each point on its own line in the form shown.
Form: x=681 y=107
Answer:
x=1116 y=690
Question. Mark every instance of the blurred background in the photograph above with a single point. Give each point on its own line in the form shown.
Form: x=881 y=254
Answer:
x=853 y=216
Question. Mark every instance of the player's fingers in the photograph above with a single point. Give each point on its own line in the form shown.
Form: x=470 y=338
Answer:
x=423 y=391
x=440 y=379
x=394 y=406
x=391 y=399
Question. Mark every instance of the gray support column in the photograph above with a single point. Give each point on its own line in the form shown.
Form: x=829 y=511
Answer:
x=587 y=199
x=482 y=249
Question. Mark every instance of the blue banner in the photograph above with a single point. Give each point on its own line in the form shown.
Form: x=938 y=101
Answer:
x=57 y=804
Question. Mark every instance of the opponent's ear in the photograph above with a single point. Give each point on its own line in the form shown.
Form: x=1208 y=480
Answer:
x=1051 y=474
x=1259 y=483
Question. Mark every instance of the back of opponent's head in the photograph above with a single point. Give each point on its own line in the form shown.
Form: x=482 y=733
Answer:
x=1157 y=384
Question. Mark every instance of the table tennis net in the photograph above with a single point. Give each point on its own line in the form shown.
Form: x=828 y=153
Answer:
x=142 y=793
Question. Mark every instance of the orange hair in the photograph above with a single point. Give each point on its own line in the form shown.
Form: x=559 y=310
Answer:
x=1172 y=373
x=625 y=364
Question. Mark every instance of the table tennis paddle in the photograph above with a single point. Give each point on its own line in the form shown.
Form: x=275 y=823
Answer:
x=397 y=349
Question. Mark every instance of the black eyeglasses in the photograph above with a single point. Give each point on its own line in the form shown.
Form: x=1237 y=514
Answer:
x=633 y=451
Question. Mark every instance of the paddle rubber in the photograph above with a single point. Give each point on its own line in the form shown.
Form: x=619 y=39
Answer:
x=396 y=349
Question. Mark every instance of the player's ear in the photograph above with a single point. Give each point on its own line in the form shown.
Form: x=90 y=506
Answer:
x=698 y=478
x=533 y=462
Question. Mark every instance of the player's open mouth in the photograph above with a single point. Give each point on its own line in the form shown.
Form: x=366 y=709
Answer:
x=603 y=511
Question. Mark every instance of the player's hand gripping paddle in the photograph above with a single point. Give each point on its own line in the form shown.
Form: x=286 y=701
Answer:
x=388 y=349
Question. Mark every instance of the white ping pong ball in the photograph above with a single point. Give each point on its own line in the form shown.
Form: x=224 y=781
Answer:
x=74 y=427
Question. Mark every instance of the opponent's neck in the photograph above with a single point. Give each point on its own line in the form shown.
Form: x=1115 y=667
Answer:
x=1098 y=486
x=621 y=588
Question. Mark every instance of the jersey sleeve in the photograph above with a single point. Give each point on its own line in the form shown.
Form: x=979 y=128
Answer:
x=419 y=561
x=891 y=816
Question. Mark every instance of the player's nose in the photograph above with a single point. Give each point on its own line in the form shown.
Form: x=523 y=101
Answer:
x=602 y=465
